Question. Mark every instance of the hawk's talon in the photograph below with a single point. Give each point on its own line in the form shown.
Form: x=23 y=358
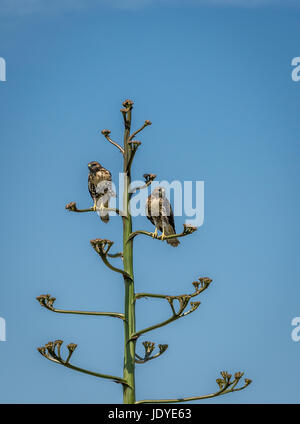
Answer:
x=163 y=236
x=154 y=235
x=94 y=207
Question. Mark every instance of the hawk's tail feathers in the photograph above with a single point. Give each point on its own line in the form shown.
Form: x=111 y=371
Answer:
x=105 y=218
x=173 y=242
x=169 y=231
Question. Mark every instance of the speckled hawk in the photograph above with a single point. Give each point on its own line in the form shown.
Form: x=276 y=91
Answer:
x=99 y=184
x=159 y=212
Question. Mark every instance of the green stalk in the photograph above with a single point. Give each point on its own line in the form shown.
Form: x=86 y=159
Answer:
x=129 y=323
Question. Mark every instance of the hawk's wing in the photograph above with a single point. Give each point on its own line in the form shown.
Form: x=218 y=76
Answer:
x=148 y=209
x=92 y=187
x=168 y=212
x=104 y=174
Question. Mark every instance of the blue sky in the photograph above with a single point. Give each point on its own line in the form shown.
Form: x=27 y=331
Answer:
x=42 y=6
x=215 y=80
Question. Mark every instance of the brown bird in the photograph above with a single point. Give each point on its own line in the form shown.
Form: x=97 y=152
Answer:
x=99 y=184
x=159 y=212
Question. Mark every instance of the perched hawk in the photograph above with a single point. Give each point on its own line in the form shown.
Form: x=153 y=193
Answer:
x=159 y=212
x=99 y=184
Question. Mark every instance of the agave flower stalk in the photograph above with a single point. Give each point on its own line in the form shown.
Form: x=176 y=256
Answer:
x=180 y=305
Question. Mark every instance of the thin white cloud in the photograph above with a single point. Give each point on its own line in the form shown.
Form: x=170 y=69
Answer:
x=33 y=6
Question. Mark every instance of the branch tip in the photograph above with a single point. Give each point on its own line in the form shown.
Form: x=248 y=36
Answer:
x=102 y=247
x=46 y=301
x=200 y=286
x=128 y=103
x=71 y=207
x=149 y=178
x=51 y=351
x=149 y=348
x=105 y=132
x=146 y=124
x=71 y=346
x=183 y=300
x=162 y=348
x=187 y=229
x=226 y=385
x=205 y=281
x=194 y=306
x=134 y=144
